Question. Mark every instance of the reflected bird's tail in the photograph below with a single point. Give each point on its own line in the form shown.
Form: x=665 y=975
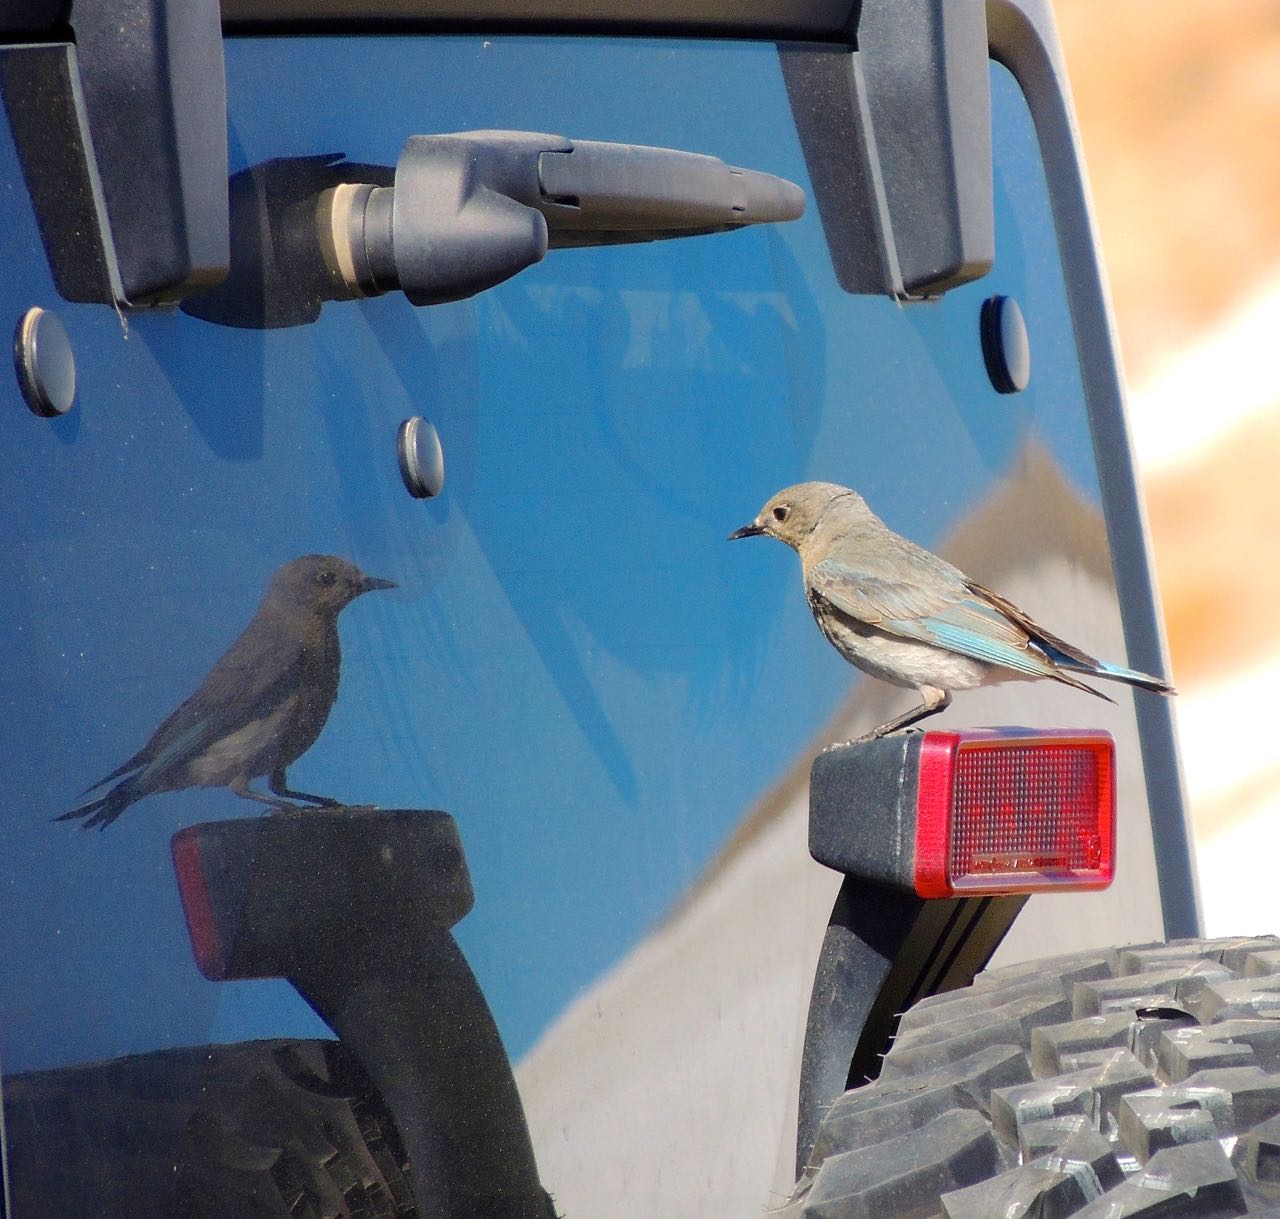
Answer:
x=102 y=811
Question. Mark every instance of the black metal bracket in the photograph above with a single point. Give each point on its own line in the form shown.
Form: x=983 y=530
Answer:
x=122 y=135
x=354 y=909
x=885 y=947
x=884 y=950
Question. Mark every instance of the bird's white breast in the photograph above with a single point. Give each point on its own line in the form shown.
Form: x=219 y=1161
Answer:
x=243 y=754
x=903 y=662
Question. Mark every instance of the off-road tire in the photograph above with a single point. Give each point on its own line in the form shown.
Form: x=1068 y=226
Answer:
x=1140 y=1081
x=260 y=1130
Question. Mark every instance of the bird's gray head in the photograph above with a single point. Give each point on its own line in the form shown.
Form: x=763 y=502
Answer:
x=321 y=583
x=793 y=514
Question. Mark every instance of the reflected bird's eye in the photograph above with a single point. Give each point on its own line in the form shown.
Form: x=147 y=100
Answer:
x=781 y=512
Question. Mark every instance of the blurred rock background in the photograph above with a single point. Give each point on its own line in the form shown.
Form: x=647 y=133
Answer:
x=1179 y=109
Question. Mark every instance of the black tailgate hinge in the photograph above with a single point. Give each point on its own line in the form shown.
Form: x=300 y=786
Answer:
x=120 y=119
x=896 y=131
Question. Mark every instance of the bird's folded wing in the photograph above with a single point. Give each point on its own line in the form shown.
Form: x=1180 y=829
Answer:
x=941 y=614
x=260 y=671
x=1069 y=653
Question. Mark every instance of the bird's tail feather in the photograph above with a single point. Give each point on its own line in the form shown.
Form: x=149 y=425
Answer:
x=93 y=787
x=132 y=764
x=1131 y=677
x=1063 y=676
x=101 y=812
x=1100 y=668
x=1068 y=656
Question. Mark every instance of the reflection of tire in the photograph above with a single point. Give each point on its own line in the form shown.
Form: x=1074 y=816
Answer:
x=1139 y=1081
x=252 y=1131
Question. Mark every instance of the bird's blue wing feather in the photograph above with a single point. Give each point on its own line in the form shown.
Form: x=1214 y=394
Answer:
x=979 y=646
x=944 y=616
x=251 y=678
x=179 y=747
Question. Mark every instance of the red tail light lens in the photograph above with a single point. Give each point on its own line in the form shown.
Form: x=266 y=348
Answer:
x=1002 y=813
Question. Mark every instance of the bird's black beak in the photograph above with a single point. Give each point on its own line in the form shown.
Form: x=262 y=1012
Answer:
x=747 y=531
x=372 y=583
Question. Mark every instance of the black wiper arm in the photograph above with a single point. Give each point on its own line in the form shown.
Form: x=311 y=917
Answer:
x=470 y=210
x=459 y=214
x=607 y=194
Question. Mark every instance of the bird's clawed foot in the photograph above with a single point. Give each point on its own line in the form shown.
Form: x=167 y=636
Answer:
x=279 y=787
x=876 y=734
x=935 y=700
x=287 y=806
x=329 y=806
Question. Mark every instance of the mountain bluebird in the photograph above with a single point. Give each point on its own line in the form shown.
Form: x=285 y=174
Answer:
x=261 y=706
x=908 y=617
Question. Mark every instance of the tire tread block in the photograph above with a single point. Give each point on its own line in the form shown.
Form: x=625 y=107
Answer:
x=968 y=1004
x=1231 y=951
x=905 y=1176
x=1181 y=983
x=1257 y=1154
x=1253 y=1094
x=1236 y=954
x=872 y=1114
x=918 y=1060
x=1148 y=1122
x=1184 y=1051
x=1051 y=1043
x=1028 y=1010
x=1192 y=1182
x=1079 y=1169
x=1093 y=1093
x=1070 y=968
x=1240 y=998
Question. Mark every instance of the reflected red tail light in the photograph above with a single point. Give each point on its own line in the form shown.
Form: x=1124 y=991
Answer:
x=1001 y=813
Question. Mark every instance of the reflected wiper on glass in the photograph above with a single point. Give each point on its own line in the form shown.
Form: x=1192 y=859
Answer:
x=462 y=213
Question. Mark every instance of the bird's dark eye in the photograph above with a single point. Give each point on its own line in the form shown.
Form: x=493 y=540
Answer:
x=326 y=577
x=781 y=512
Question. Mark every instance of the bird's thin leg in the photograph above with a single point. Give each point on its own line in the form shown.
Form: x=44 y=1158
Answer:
x=935 y=700
x=279 y=785
x=245 y=792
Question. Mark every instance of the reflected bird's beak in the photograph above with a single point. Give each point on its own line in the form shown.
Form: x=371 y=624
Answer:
x=747 y=531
